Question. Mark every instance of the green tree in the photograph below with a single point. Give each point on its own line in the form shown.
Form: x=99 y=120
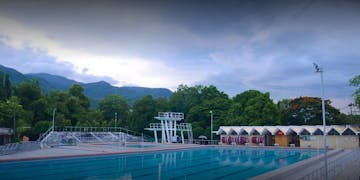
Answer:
x=77 y=104
x=5 y=86
x=253 y=108
x=28 y=92
x=115 y=104
x=77 y=90
x=184 y=98
x=162 y=104
x=144 y=111
x=207 y=98
x=355 y=81
x=93 y=118
x=308 y=111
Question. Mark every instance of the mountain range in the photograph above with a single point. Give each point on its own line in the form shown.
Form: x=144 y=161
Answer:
x=95 y=91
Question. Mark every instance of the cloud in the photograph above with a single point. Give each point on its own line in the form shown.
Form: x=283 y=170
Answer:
x=236 y=46
x=127 y=69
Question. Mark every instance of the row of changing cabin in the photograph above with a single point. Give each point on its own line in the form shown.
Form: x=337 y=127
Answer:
x=338 y=136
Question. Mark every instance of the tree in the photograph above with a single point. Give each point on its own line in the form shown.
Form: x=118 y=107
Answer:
x=184 y=98
x=5 y=86
x=77 y=90
x=144 y=111
x=77 y=104
x=355 y=81
x=28 y=92
x=207 y=98
x=115 y=104
x=253 y=108
x=94 y=118
x=308 y=111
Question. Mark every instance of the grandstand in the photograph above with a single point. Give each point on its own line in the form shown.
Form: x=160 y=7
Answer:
x=55 y=136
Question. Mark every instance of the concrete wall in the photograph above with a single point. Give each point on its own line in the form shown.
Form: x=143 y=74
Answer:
x=347 y=142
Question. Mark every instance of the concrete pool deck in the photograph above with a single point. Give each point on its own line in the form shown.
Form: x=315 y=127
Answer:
x=339 y=167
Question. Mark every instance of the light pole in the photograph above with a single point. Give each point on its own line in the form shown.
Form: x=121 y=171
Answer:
x=211 y=125
x=115 y=119
x=53 y=121
x=320 y=70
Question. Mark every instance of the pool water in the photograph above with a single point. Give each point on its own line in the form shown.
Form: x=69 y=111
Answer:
x=198 y=163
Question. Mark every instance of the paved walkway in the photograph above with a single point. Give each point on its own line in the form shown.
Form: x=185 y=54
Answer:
x=342 y=164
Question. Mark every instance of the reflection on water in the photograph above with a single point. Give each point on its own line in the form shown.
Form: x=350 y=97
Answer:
x=201 y=163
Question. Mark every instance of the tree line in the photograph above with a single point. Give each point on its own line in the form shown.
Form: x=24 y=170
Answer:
x=32 y=111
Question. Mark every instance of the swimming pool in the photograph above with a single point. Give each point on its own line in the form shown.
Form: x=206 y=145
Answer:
x=198 y=163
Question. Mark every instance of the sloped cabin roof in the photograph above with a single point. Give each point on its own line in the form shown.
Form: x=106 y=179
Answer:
x=292 y=129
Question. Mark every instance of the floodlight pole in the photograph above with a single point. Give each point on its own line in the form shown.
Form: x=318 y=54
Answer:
x=211 y=125
x=320 y=70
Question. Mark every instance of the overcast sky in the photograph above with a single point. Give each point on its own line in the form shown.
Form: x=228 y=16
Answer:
x=235 y=45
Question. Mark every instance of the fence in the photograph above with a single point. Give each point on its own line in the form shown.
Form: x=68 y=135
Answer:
x=202 y=142
x=19 y=147
x=335 y=167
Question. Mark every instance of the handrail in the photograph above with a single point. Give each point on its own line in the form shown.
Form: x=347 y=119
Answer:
x=99 y=129
x=335 y=166
x=19 y=147
x=42 y=136
x=181 y=126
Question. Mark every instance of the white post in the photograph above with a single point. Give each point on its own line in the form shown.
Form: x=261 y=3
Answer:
x=53 y=120
x=320 y=70
x=182 y=137
x=175 y=130
x=155 y=136
x=163 y=135
x=167 y=131
x=324 y=122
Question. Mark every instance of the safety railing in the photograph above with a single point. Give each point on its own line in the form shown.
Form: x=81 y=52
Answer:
x=102 y=129
x=334 y=167
x=181 y=126
x=19 y=147
x=202 y=142
x=42 y=136
x=175 y=115
x=70 y=134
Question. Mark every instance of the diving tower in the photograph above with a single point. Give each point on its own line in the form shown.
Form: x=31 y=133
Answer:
x=170 y=124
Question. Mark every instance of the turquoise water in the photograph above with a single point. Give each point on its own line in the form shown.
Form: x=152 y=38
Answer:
x=200 y=163
x=140 y=145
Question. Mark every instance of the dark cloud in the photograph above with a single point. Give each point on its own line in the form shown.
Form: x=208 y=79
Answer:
x=29 y=60
x=238 y=45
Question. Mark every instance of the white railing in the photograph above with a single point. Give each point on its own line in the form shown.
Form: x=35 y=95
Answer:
x=334 y=167
x=181 y=126
x=70 y=135
x=175 y=115
x=19 y=147
x=202 y=142
x=42 y=136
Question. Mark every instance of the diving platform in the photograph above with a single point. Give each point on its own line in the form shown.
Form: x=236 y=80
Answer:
x=170 y=124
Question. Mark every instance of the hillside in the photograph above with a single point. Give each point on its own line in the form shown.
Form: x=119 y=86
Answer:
x=95 y=91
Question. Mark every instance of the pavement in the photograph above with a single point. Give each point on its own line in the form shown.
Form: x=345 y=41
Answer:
x=342 y=165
